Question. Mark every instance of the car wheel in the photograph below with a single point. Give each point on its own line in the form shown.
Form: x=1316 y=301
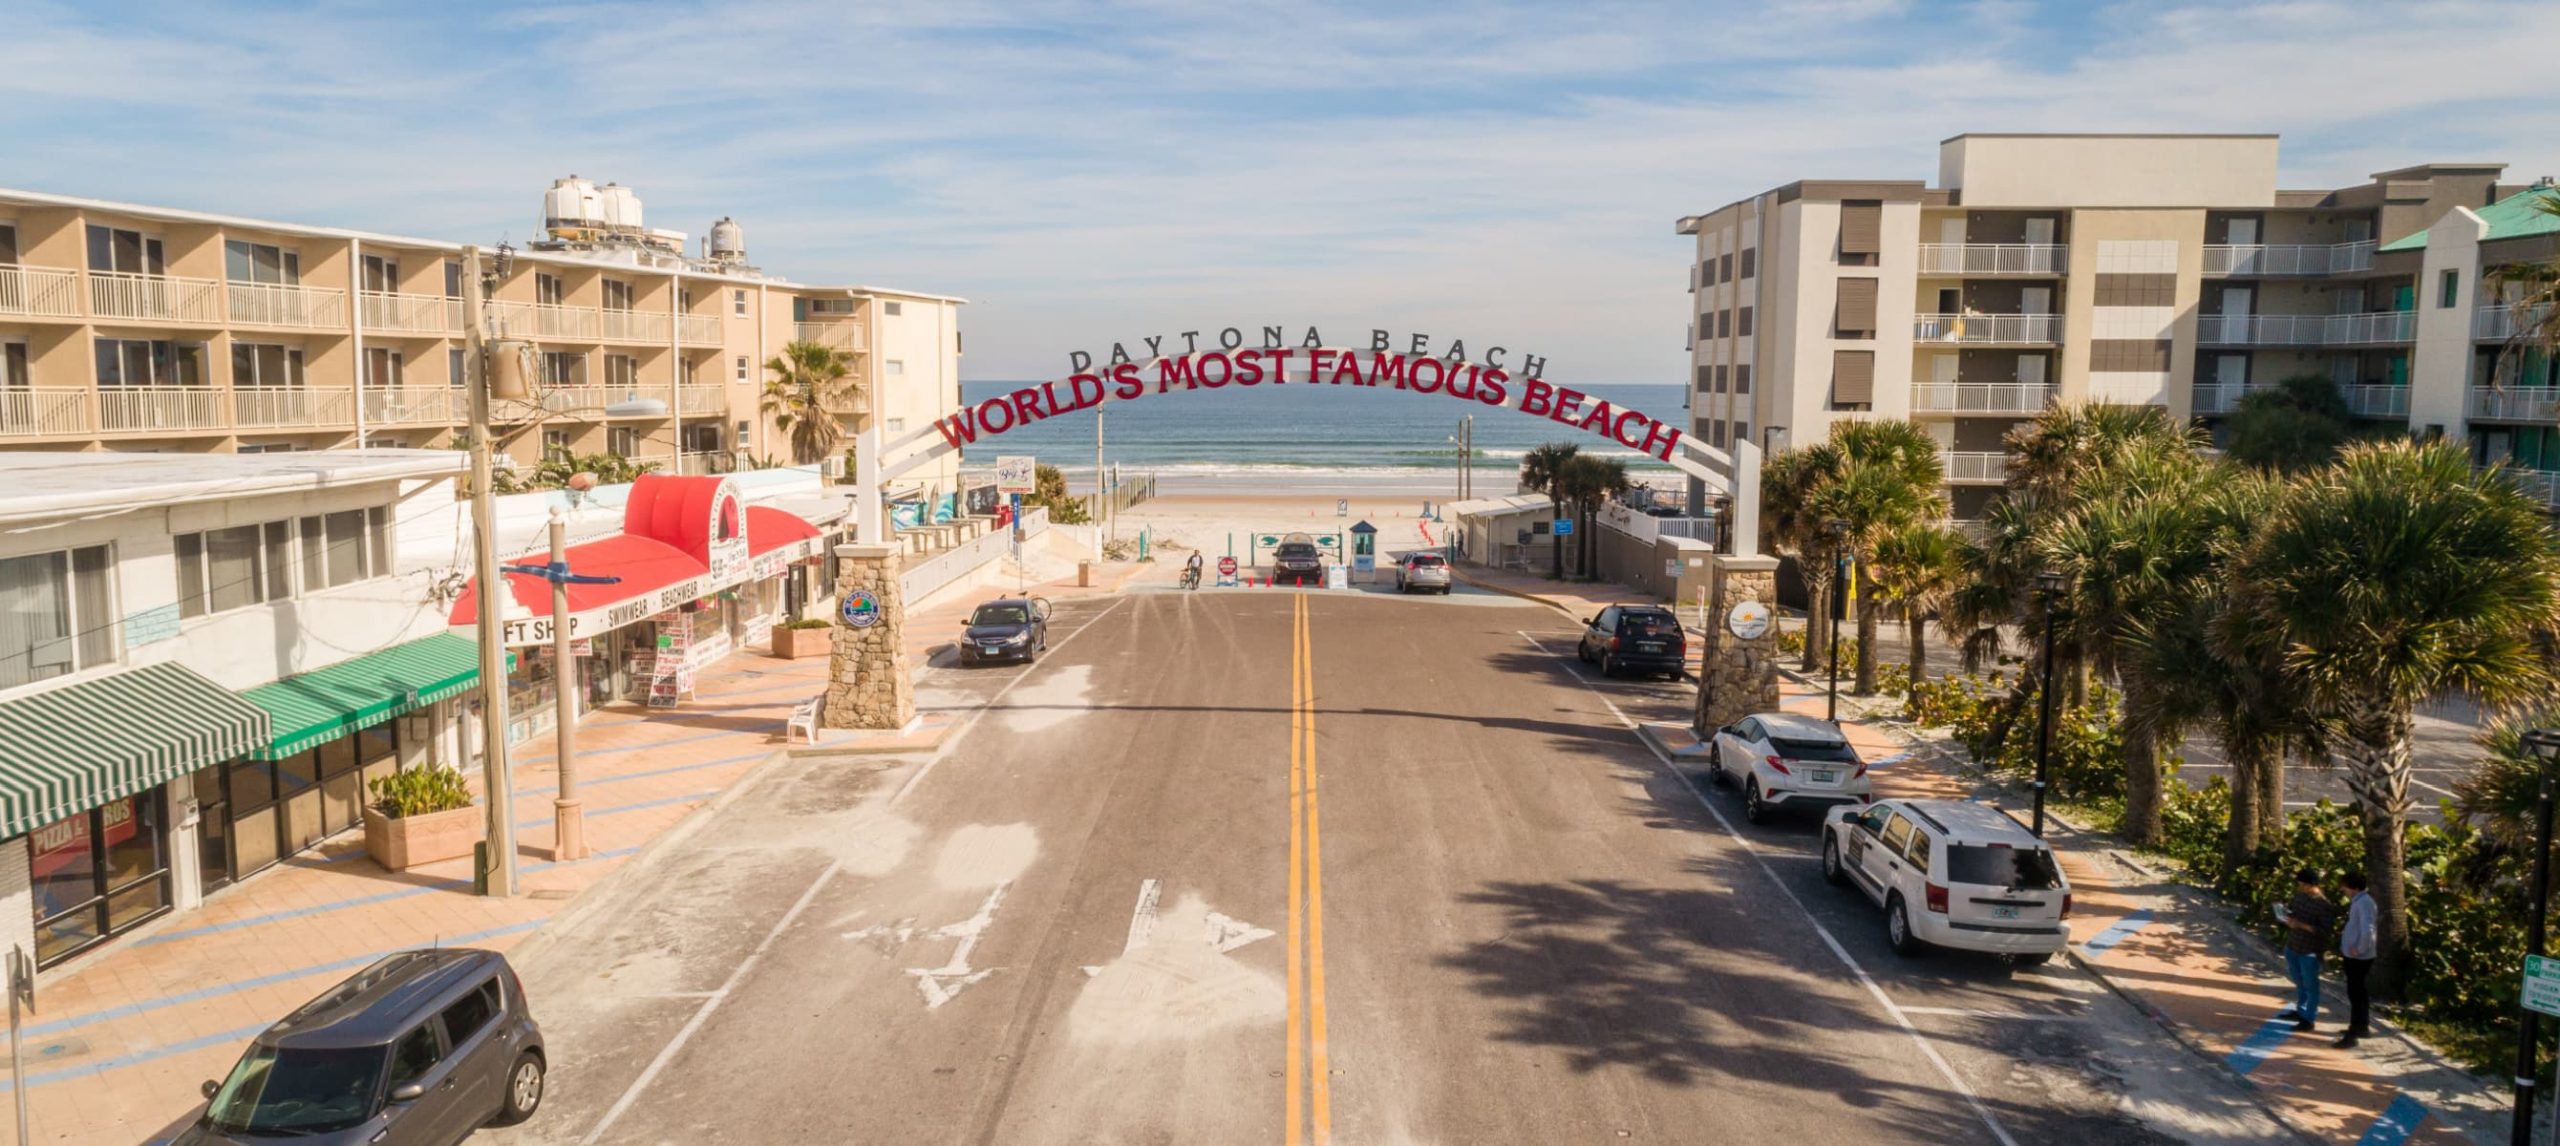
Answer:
x=524 y=1090
x=1831 y=869
x=1754 y=809
x=1608 y=664
x=2038 y=959
x=1897 y=928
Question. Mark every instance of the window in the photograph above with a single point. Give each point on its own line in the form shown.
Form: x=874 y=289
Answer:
x=621 y=371
x=414 y=1055
x=13 y=365
x=1897 y=832
x=617 y=295
x=891 y=309
x=255 y=364
x=454 y=368
x=549 y=290
x=555 y=443
x=689 y=369
x=260 y=263
x=896 y=367
x=2449 y=290
x=1741 y=432
x=1919 y=853
x=470 y=1013
x=831 y=305
x=1722 y=379
x=564 y=368
x=453 y=278
x=382 y=367
x=1853 y=378
x=742 y=368
x=1750 y=261
x=1724 y=323
x=622 y=441
x=1724 y=268
x=738 y=302
x=125 y=252
x=224 y=569
x=8 y=245
x=897 y=425
x=98 y=873
x=381 y=275
x=1861 y=227
x=57 y=614
x=1855 y=316
x=1742 y=379
x=141 y=362
x=1742 y=325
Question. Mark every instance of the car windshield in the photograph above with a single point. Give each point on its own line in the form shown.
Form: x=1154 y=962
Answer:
x=1814 y=750
x=293 y=1091
x=2018 y=869
x=999 y=615
x=1296 y=551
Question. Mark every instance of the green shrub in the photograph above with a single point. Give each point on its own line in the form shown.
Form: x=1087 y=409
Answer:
x=1892 y=679
x=811 y=623
x=420 y=791
x=1791 y=641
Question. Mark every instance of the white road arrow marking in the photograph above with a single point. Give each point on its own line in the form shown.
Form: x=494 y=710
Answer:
x=1224 y=934
x=944 y=983
x=1227 y=934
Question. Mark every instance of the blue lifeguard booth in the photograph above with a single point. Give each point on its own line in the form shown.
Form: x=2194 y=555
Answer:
x=1364 y=549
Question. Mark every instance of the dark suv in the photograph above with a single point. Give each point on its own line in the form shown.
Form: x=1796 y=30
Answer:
x=1297 y=559
x=1641 y=638
x=419 y=1049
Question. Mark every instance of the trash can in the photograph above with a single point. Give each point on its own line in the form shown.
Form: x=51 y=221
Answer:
x=1084 y=574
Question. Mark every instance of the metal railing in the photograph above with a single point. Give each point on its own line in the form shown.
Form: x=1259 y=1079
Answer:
x=2032 y=329
x=139 y=409
x=2377 y=401
x=698 y=329
x=2220 y=397
x=653 y=327
x=415 y=406
x=2516 y=403
x=291 y=406
x=581 y=401
x=2541 y=484
x=43 y=413
x=1972 y=467
x=2285 y=259
x=158 y=298
x=275 y=304
x=703 y=462
x=846 y=335
x=548 y=320
x=923 y=577
x=1992 y=258
x=2388 y=326
x=701 y=401
x=42 y=292
x=2496 y=322
x=2305 y=329
x=391 y=313
x=1980 y=397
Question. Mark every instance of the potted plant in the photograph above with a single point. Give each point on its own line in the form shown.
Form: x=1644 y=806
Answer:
x=419 y=816
x=806 y=637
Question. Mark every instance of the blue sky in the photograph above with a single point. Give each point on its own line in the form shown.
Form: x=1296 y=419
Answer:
x=1085 y=172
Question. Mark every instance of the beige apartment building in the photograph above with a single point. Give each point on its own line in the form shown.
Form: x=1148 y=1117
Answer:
x=134 y=328
x=2167 y=270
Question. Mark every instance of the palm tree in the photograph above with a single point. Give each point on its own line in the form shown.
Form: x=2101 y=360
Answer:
x=805 y=385
x=1888 y=477
x=2300 y=423
x=1918 y=565
x=2391 y=577
x=1539 y=470
x=1585 y=481
x=1795 y=524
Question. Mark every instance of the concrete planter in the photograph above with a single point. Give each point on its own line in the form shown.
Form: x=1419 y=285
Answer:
x=413 y=841
x=792 y=644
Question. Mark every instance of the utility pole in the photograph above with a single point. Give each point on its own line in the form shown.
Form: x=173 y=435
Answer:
x=569 y=813
x=2049 y=588
x=1099 y=506
x=2543 y=745
x=498 y=852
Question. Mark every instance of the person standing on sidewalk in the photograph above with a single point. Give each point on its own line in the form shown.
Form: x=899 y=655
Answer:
x=2356 y=948
x=2306 y=922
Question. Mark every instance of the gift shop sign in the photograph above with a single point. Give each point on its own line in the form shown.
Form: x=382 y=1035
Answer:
x=731 y=567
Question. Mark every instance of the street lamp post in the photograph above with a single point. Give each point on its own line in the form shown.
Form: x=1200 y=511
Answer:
x=569 y=817
x=2543 y=744
x=2048 y=590
x=1839 y=609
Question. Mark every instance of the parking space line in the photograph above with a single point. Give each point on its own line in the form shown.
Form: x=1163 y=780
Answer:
x=2255 y=1049
x=2117 y=932
x=2004 y=1016
x=2398 y=1121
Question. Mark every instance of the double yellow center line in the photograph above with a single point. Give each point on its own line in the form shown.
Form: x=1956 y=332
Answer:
x=1310 y=1066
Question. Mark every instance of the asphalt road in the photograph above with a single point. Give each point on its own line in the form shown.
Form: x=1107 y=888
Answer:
x=1108 y=911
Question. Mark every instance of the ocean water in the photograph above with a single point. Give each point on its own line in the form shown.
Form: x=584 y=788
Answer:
x=1310 y=437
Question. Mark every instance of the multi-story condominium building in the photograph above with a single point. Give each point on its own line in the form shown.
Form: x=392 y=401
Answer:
x=132 y=328
x=2167 y=270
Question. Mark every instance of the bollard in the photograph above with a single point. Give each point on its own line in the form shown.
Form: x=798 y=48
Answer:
x=1084 y=574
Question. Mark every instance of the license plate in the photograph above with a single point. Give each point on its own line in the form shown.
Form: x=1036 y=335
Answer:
x=991 y=648
x=1824 y=777
x=2004 y=913
x=1648 y=646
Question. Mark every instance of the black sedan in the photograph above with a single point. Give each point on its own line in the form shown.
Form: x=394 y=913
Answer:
x=1006 y=629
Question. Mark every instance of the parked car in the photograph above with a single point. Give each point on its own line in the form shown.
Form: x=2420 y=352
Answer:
x=1006 y=629
x=1428 y=572
x=1296 y=560
x=1639 y=638
x=1951 y=873
x=419 y=1049
x=1783 y=760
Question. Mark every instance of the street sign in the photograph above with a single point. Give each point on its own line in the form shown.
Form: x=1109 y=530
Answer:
x=1564 y=527
x=2542 y=984
x=1226 y=567
x=1342 y=507
x=1017 y=473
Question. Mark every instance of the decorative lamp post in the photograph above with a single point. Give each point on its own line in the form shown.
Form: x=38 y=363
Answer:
x=1839 y=605
x=569 y=819
x=2543 y=744
x=2048 y=591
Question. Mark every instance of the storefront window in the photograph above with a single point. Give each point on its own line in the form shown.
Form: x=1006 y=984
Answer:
x=213 y=827
x=98 y=873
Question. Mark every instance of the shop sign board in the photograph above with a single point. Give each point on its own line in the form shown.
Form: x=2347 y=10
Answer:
x=1017 y=473
x=1564 y=527
x=536 y=629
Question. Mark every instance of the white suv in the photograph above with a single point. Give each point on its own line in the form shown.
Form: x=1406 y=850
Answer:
x=1951 y=873
x=1782 y=759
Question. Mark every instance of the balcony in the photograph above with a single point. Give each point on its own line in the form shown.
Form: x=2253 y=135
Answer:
x=1992 y=258
x=581 y=401
x=2220 y=397
x=706 y=462
x=2515 y=404
x=158 y=409
x=702 y=401
x=2495 y=323
x=290 y=407
x=155 y=298
x=2377 y=401
x=43 y=413
x=1966 y=467
x=638 y=326
x=698 y=329
x=2266 y=260
x=2305 y=329
x=2542 y=485
x=419 y=406
x=1990 y=329
x=1979 y=398
x=2363 y=329
x=548 y=320
x=295 y=307
x=39 y=292
x=387 y=313
x=845 y=336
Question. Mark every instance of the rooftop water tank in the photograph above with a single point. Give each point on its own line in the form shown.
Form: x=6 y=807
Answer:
x=571 y=204
x=728 y=244
x=621 y=208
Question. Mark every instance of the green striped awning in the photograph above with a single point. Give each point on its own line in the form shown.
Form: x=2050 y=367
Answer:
x=325 y=704
x=73 y=748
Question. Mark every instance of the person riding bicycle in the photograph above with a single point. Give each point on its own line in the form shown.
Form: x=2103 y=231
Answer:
x=1191 y=570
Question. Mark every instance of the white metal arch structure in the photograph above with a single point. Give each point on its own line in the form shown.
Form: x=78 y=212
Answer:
x=1472 y=386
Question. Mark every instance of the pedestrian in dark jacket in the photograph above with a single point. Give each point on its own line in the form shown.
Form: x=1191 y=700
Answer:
x=2307 y=920
x=2357 y=946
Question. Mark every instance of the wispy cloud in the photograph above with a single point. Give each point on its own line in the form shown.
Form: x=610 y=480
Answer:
x=1492 y=171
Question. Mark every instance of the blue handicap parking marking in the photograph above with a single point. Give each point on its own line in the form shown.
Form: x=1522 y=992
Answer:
x=2255 y=1049
x=2397 y=1123
x=2118 y=932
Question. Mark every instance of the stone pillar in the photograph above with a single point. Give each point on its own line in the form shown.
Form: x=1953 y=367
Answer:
x=1739 y=677
x=868 y=687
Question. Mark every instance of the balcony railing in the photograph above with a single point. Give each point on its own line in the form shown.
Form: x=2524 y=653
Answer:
x=548 y=320
x=2515 y=403
x=2543 y=485
x=583 y=401
x=707 y=462
x=2388 y=326
x=698 y=329
x=845 y=335
x=2280 y=260
x=415 y=406
x=273 y=304
x=43 y=413
x=291 y=406
x=1992 y=258
x=2220 y=397
x=2377 y=401
x=42 y=292
x=701 y=401
x=2493 y=323
x=155 y=298
x=2305 y=329
x=2024 y=329
x=145 y=409
x=389 y=313
x=1969 y=467
x=1980 y=397
x=637 y=326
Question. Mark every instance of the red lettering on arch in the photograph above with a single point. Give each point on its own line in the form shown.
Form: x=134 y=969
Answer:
x=1026 y=402
x=1619 y=431
x=1490 y=389
x=1349 y=368
x=1439 y=374
x=959 y=428
x=1659 y=440
x=1386 y=368
x=1249 y=367
x=1537 y=397
x=987 y=412
x=1125 y=383
x=1172 y=370
x=1568 y=405
x=1226 y=369
x=1600 y=412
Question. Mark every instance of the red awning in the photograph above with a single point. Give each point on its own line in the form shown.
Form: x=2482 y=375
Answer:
x=769 y=529
x=647 y=569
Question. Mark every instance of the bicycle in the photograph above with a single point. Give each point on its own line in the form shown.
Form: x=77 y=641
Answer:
x=1191 y=577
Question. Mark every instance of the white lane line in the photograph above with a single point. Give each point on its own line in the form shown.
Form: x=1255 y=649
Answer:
x=1945 y=1069
x=1142 y=920
x=990 y=703
x=2003 y=1016
x=668 y=1053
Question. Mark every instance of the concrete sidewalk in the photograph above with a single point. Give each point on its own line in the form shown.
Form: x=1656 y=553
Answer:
x=2175 y=951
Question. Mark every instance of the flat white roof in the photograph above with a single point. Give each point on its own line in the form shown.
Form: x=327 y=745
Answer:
x=44 y=484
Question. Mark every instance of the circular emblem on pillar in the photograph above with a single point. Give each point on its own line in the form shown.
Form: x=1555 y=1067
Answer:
x=861 y=609
x=1748 y=620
